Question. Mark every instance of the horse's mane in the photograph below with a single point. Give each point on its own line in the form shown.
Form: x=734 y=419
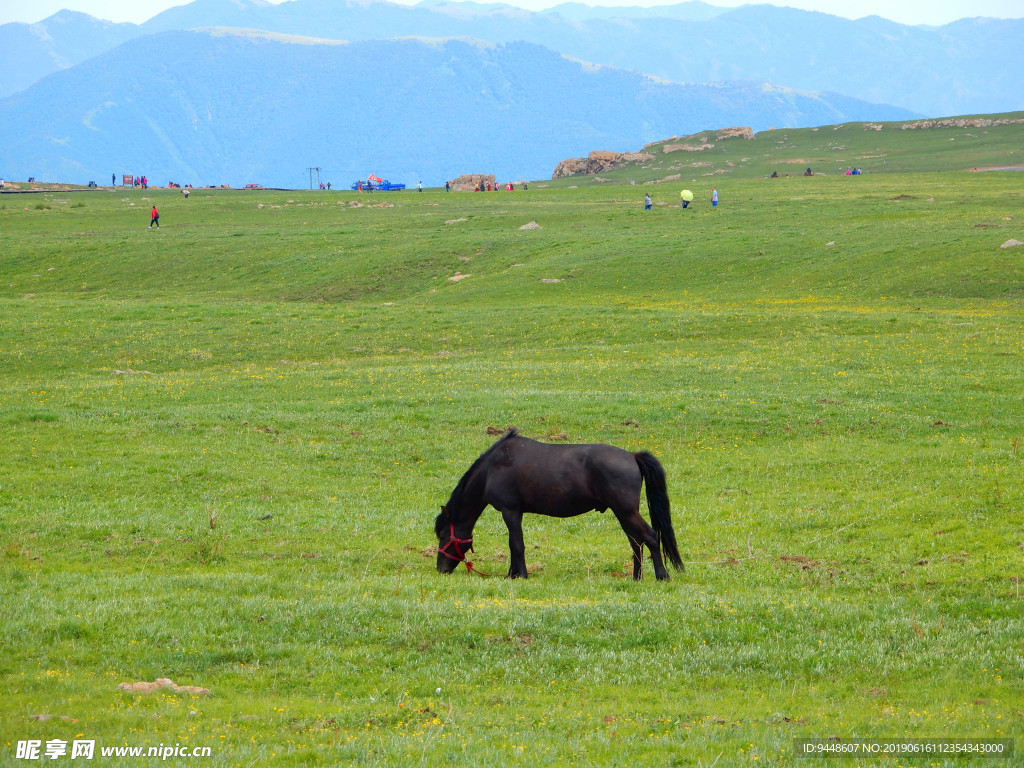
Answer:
x=455 y=500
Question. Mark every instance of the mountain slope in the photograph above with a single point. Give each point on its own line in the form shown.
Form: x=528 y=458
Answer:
x=694 y=10
x=968 y=67
x=235 y=107
x=944 y=71
x=29 y=52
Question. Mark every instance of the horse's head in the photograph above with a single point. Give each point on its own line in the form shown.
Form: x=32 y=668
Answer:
x=450 y=550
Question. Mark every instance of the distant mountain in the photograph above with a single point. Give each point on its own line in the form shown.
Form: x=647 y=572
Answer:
x=690 y=11
x=968 y=67
x=236 y=107
x=29 y=52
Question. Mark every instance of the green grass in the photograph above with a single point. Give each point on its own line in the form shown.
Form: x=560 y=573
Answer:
x=223 y=445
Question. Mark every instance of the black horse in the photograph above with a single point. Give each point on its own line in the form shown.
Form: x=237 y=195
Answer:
x=518 y=475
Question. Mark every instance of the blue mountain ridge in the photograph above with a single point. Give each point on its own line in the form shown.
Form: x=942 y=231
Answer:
x=968 y=67
x=232 y=107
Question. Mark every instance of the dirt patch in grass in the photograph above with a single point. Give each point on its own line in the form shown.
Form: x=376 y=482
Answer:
x=806 y=563
x=162 y=683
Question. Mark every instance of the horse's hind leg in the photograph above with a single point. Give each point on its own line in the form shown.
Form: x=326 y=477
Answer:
x=639 y=534
x=638 y=557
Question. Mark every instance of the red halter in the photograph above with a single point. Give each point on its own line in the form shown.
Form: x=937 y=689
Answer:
x=459 y=556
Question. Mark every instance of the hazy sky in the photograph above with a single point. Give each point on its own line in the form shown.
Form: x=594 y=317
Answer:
x=933 y=12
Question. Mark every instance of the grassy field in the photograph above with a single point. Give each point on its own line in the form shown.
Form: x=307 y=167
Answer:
x=224 y=443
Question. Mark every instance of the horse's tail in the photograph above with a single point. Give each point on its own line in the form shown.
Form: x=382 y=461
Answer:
x=657 y=502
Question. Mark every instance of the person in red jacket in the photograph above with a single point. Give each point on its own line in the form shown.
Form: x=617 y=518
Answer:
x=155 y=218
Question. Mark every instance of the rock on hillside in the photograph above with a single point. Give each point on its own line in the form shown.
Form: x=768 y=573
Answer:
x=959 y=122
x=743 y=132
x=598 y=161
x=467 y=182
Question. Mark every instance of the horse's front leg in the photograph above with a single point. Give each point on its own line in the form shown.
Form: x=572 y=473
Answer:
x=516 y=547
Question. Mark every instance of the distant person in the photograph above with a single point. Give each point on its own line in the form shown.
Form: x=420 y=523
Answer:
x=714 y=197
x=447 y=187
x=775 y=174
x=113 y=179
x=647 y=202
x=185 y=193
x=154 y=218
x=419 y=186
x=808 y=171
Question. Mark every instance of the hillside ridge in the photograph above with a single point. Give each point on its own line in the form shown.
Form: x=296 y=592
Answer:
x=998 y=147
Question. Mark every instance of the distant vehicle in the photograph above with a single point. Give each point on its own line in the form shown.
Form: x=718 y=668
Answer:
x=254 y=186
x=378 y=186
